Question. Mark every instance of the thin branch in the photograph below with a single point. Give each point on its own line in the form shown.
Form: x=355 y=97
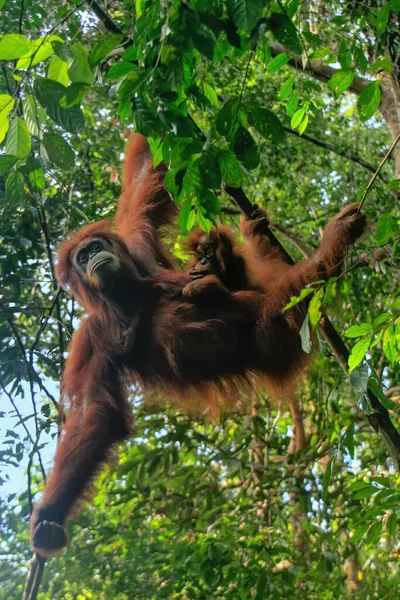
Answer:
x=331 y=148
x=388 y=153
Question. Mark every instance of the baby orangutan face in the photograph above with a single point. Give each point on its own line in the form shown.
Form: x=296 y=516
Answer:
x=208 y=262
x=95 y=261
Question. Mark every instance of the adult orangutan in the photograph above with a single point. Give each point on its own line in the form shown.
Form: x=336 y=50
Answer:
x=148 y=322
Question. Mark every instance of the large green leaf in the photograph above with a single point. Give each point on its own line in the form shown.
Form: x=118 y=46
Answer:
x=34 y=174
x=245 y=13
x=246 y=149
x=227 y=116
x=58 y=71
x=285 y=32
x=368 y=101
x=15 y=190
x=14 y=45
x=18 y=141
x=230 y=168
x=80 y=70
x=266 y=123
x=49 y=93
x=59 y=151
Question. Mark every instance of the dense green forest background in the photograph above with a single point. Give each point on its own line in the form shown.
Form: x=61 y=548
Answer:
x=298 y=104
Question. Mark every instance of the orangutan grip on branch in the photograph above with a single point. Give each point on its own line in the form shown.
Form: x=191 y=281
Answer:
x=151 y=323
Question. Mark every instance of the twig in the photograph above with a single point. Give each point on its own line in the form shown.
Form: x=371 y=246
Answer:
x=388 y=153
x=331 y=148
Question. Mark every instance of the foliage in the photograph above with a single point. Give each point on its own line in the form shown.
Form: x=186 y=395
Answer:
x=300 y=503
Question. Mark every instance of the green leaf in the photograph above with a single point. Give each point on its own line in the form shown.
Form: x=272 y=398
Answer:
x=374 y=533
x=58 y=71
x=230 y=168
x=294 y=300
x=359 y=330
x=366 y=492
x=14 y=45
x=245 y=13
x=4 y=126
x=18 y=141
x=125 y=110
x=59 y=151
x=359 y=533
x=209 y=170
x=314 y=310
x=245 y=149
x=266 y=123
x=203 y=41
x=41 y=49
x=359 y=378
x=50 y=93
x=305 y=336
x=297 y=118
x=326 y=479
x=386 y=226
x=382 y=19
x=74 y=94
x=15 y=190
x=341 y=81
x=103 y=48
x=145 y=121
x=6 y=164
x=33 y=114
x=210 y=94
x=393 y=185
x=381 y=319
x=34 y=175
x=80 y=70
x=303 y=125
x=285 y=32
x=203 y=222
x=391 y=524
x=368 y=101
x=292 y=103
x=120 y=70
x=389 y=344
x=358 y=352
x=382 y=64
x=286 y=88
x=6 y=105
x=377 y=391
x=227 y=116
x=278 y=62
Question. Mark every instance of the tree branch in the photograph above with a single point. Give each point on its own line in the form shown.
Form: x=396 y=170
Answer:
x=104 y=18
x=317 y=69
x=331 y=148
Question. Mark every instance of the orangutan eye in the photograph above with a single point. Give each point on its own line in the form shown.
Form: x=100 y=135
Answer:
x=82 y=257
x=209 y=253
x=199 y=253
x=95 y=247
